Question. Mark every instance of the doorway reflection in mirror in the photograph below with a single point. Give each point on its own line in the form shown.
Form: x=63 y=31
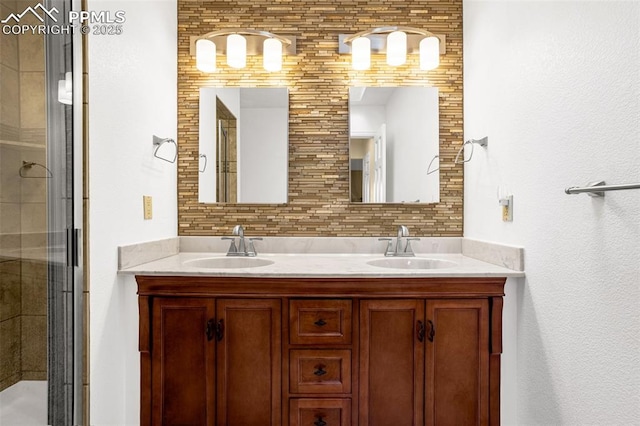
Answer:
x=394 y=134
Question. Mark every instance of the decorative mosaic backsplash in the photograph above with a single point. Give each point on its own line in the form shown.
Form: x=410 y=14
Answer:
x=318 y=79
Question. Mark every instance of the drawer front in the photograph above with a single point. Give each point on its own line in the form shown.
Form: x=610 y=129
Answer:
x=320 y=371
x=320 y=412
x=320 y=321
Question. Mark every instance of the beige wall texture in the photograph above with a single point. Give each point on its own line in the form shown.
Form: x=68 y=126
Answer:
x=318 y=79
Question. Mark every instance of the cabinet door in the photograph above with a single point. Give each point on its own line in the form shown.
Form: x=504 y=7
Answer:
x=249 y=362
x=182 y=362
x=457 y=362
x=391 y=363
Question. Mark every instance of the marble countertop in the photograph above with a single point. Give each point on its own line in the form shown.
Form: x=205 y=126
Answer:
x=318 y=263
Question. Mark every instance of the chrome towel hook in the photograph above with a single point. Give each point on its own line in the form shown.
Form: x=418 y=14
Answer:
x=158 y=142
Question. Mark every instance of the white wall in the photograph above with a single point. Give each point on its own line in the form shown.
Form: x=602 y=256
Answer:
x=365 y=120
x=556 y=87
x=132 y=96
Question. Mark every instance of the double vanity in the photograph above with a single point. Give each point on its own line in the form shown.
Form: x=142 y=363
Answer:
x=320 y=331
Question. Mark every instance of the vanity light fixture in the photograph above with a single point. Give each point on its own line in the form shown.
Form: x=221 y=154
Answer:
x=236 y=44
x=396 y=42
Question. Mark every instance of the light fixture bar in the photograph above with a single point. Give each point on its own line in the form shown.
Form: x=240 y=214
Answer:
x=255 y=39
x=387 y=30
x=379 y=42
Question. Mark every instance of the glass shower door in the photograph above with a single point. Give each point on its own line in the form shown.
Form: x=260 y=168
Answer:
x=40 y=287
x=64 y=284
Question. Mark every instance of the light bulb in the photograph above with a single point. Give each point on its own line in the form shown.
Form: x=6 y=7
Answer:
x=272 y=54
x=361 y=53
x=236 y=51
x=396 y=48
x=205 y=55
x=429 y=53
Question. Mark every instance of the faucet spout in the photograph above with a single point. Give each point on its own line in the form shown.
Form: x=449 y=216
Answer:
x=403 y=233
x=238 y=230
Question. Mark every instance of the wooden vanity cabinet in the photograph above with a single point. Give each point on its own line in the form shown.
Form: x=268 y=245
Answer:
x=211 y=361
x=320 y=351
x=424 y=362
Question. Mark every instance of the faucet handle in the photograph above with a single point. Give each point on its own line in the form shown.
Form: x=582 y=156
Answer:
x=389 y=246
x=407 y=248
x=251 y=249
x=232 y=247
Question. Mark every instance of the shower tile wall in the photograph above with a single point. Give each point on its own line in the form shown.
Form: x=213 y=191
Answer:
x=23 y=270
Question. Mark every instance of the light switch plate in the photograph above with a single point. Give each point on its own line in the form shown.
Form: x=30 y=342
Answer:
x=507 y=208
x=148 y=207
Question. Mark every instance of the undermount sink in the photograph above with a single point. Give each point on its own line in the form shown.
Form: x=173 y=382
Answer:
x=227 y=262
x=411 y=263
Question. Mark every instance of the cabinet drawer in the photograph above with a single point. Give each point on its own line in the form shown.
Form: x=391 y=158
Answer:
x=320 y=371
x=320 y=321
x=315 y=412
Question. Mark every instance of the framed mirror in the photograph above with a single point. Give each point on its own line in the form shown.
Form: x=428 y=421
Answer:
x=394 y=145
x=243 y=145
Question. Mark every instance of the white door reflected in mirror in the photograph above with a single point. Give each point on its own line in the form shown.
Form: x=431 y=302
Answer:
x=244 y=136
x=394 y=135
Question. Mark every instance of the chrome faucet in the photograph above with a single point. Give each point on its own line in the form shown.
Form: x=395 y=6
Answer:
x=243 y=248
x=403 y=243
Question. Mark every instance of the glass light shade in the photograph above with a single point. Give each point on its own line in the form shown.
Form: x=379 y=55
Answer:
x=396 y=48
x=206 y=55
x=361 y=53
x=429 y=53
x=236 y=51
x=272 y=54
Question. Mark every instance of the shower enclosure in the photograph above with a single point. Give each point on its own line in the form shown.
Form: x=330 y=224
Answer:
x=40 y=277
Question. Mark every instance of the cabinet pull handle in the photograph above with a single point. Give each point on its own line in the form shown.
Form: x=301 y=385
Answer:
x=320 y=371
x=320 y=322
x=420 y=331
x=219 y=330
x=320 y=422
x=432 y=331
x=209 y=330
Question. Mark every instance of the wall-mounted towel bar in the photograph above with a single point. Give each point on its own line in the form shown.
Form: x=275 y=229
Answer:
x=202 y=166
x=169 y=157
x=429 y=170
x=484 y=142
x=597 y=189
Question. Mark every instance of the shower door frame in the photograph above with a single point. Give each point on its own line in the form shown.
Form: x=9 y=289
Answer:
x=63 y=53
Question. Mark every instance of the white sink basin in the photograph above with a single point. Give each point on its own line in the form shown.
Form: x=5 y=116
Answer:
x=227 y=262
x=411 y=263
